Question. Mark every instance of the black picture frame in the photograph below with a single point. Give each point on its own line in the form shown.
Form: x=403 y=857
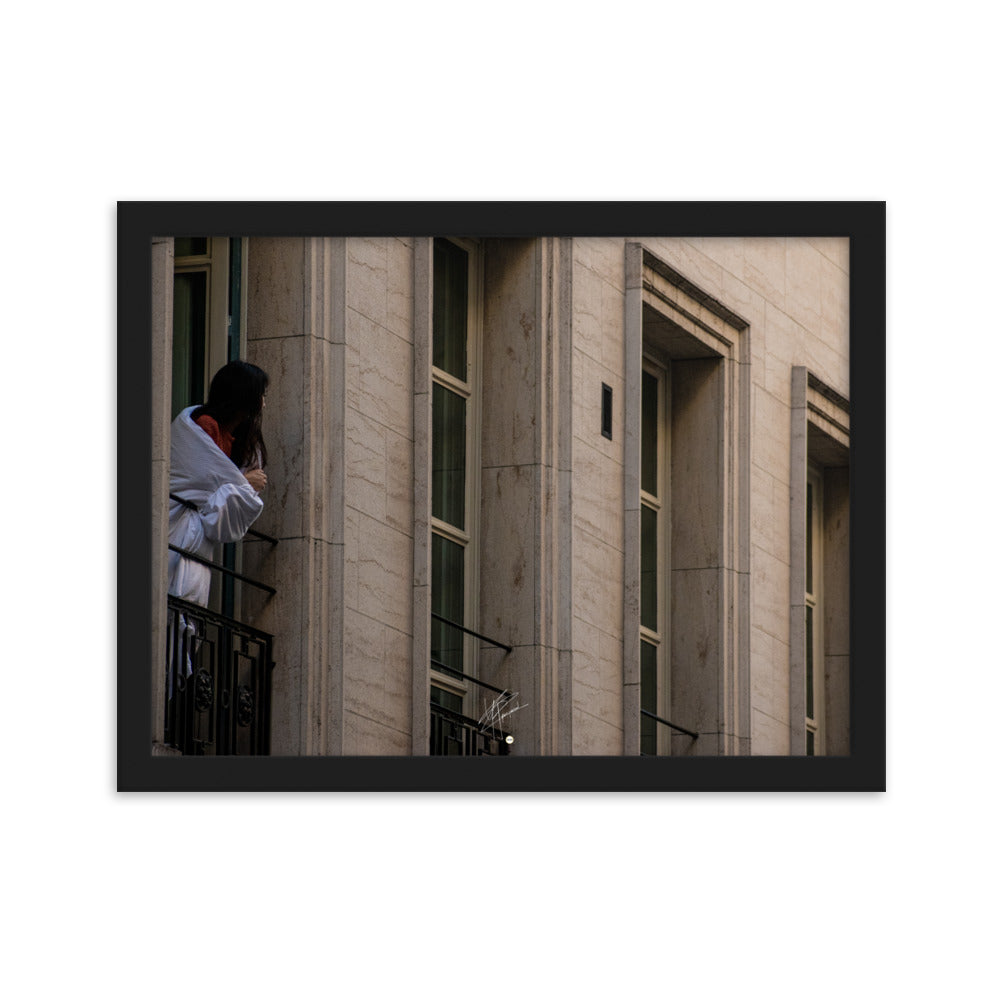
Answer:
x=863 y=223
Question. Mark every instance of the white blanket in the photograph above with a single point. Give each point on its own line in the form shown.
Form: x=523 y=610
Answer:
x=226 y=504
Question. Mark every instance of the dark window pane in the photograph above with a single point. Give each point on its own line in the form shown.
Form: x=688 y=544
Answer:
x=650 y=421
x=451 y=308
x=809 y=537
x=190 y=246
x=446 y=699
x=810 y=743
x=190 y=319
x=235 y=297
x=647 y=698
x=448 y=457
x=448 y=600
x=810 y=664
x=647 y=570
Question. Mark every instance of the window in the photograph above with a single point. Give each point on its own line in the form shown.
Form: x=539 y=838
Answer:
x=207 y=314
x=687 y=520
x=819 y=659
x=654 y=680
x=815 y=729
x=454 y=468
x=208 y=332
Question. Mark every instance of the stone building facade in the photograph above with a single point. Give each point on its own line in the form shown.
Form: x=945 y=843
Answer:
x=619 y=465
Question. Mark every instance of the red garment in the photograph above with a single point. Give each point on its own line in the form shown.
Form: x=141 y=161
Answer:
x=222 y=438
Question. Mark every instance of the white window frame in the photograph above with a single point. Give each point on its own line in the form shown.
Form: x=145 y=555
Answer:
x=471 y=391
x=215 y=265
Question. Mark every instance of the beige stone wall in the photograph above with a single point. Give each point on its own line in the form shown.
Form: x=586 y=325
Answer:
x=334 y=322
x=793 y=292
x=378 y=497
x=295 y=332
x=598 y=496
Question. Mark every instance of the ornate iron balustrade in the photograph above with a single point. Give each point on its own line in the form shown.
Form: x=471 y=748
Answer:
x=457 y=735
x=218 y=683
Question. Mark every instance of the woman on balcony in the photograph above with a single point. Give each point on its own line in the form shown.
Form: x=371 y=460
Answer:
x=217 y=459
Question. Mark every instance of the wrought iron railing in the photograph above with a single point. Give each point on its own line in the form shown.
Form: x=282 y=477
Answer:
x=457 y=735
x=453 y=734
x=218 y=679
x=218 y=683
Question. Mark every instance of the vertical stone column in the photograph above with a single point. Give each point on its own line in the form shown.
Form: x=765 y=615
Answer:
x=525 y=523
x=633 y=423
x=423 y=289
x=162 y=341
x=553 y=432
x=562 y=568
x=296 y=333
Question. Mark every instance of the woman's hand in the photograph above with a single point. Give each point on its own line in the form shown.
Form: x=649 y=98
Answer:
x=257 y=478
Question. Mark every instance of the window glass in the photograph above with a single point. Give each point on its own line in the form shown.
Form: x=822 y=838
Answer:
x=647 y=570
x=190 y=246
x=809 y=537
x=451 y=308
x=190 y=328
x=810 y=664
x=648 y=692
x=447 y=590
x=448 y=456
x=650 y=414
x=446 y=699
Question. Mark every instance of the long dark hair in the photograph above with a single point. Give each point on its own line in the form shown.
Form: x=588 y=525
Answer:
x=236 y=397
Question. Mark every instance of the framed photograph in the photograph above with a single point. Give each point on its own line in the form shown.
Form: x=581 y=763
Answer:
x=440 y=496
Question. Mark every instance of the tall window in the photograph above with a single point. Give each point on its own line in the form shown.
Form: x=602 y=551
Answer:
x=454 y=468
x=654 y=645
x=815 y=683
x=208 y=332
x=208 y=285
x=819 y=626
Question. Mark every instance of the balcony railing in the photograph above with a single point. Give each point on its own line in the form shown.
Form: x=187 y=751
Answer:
x=453 y=734
x=457 y=735
x=218 y=697
x=218 y=683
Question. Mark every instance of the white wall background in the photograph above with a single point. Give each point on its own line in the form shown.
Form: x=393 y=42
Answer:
x=544 y=101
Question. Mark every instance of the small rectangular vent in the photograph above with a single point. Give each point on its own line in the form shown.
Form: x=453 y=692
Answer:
x=606 y=410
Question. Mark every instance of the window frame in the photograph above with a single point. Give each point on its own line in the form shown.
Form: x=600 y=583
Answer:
x=215 y=266
x=223 y=343
x=815 y=723
x=820 y=453
x=470 y=390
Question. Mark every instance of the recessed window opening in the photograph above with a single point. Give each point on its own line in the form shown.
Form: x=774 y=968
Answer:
x=819 y=660
x=679 y=520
